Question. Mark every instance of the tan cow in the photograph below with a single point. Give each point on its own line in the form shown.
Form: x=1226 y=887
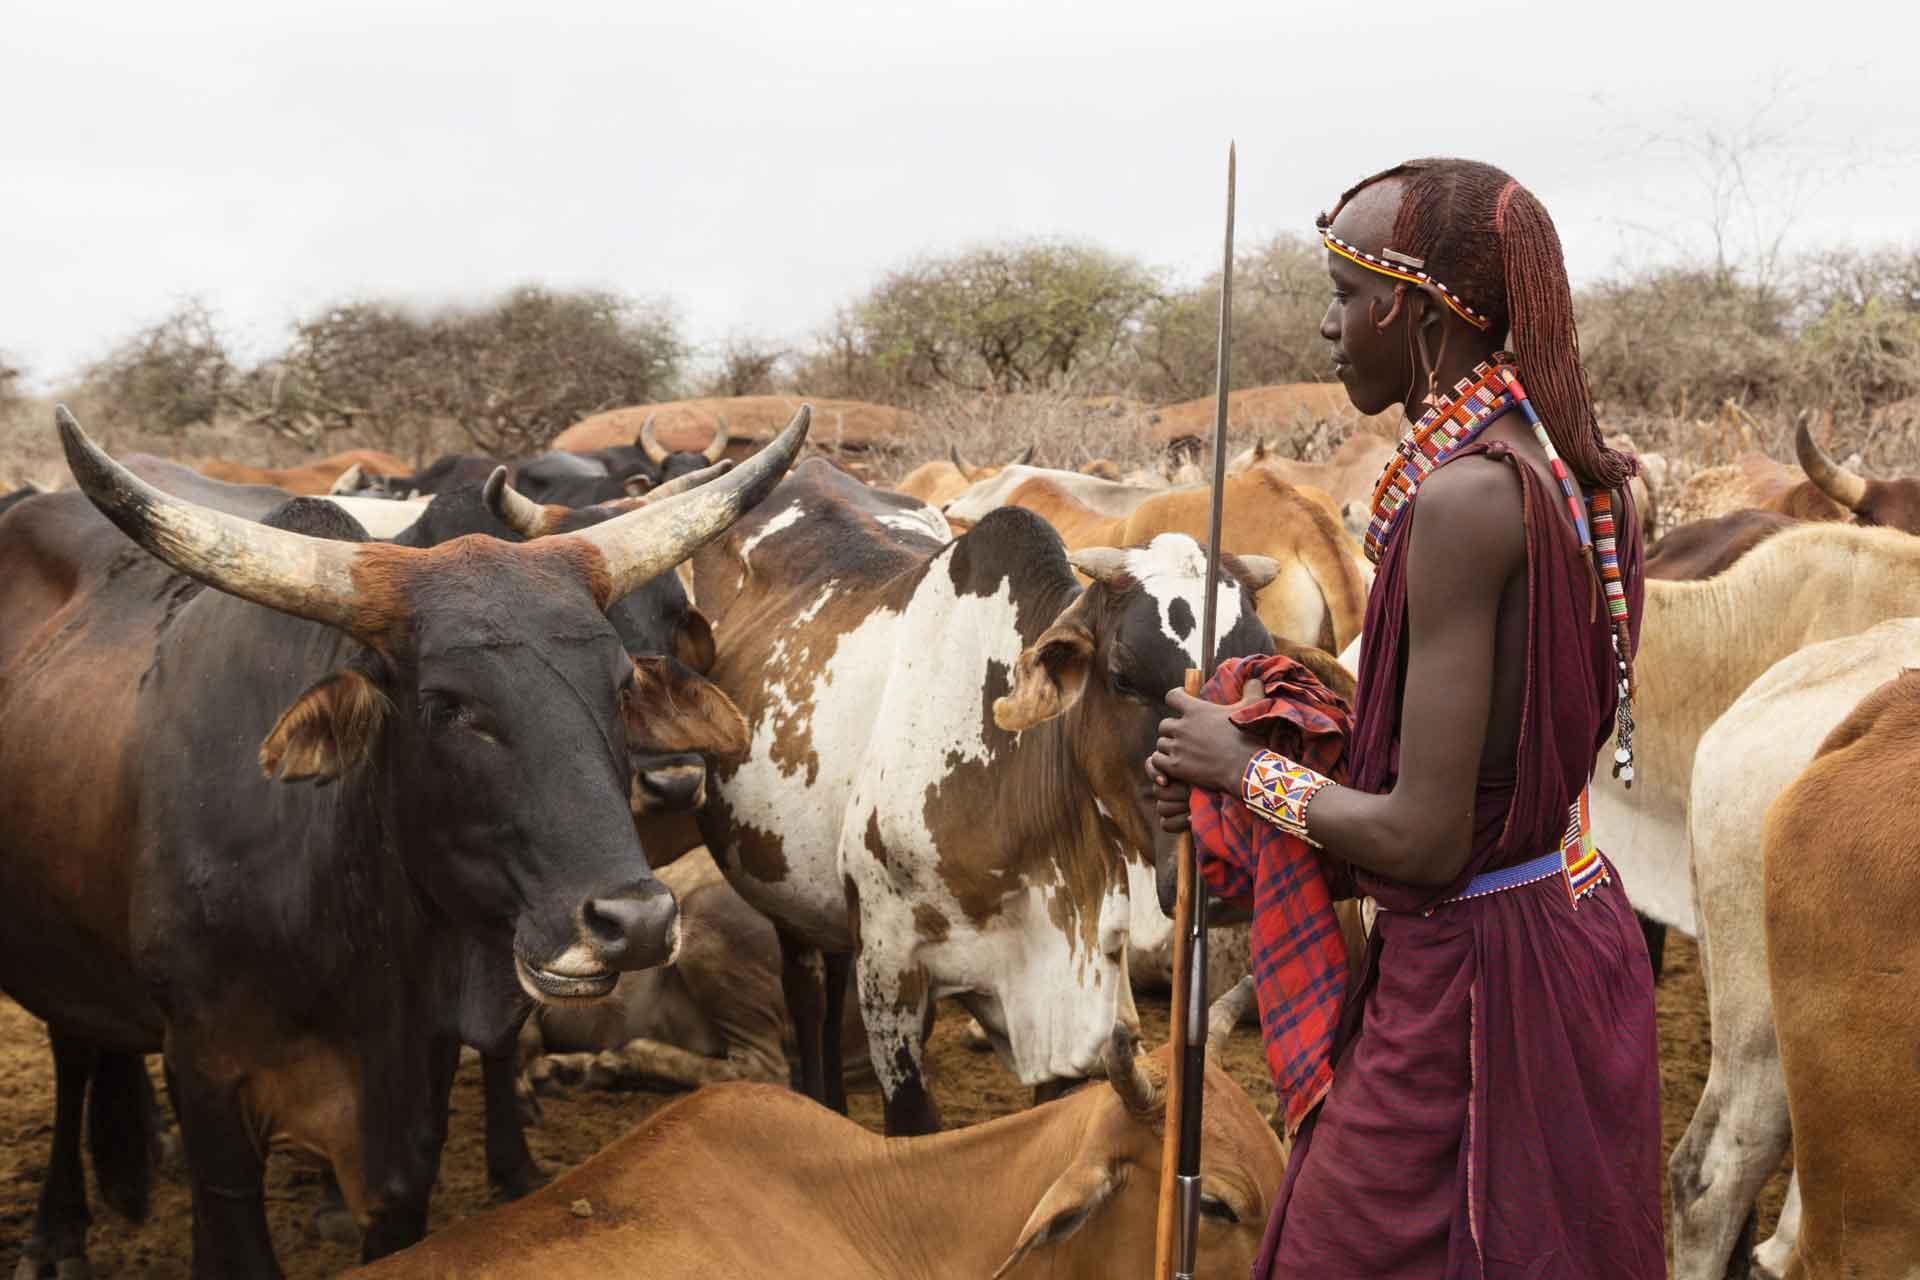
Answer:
x=311 y=479
x=743 y=1181
x=939 y=482
x=1740 y=1129
x=1349 y=475
x=1842 y=890
x=714 y=1013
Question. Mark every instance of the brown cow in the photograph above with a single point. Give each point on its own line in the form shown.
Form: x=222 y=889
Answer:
x=1842 y=890
x=745 y=1181
x=1892 y=503
x=311 y=479
x=1704 y=548
x=310 y=957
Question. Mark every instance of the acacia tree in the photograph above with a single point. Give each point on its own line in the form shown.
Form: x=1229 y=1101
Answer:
x=1003 y=318
x=512 y=375
x=1280 y=292
x=169 y=375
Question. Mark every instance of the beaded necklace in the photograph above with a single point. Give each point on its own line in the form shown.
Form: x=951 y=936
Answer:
x=1442 y=431
x=1450 y=426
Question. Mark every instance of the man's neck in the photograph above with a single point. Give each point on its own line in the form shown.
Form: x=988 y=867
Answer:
x=1461 y=358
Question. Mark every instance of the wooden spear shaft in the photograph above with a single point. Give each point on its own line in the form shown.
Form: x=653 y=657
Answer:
x=1176 y=1233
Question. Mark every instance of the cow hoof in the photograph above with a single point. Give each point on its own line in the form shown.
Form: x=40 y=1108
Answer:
x=519 y=1183
x=333 y=1222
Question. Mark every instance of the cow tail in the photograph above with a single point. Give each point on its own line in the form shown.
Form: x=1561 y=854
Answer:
x=121 y=1134
x=1342 y=588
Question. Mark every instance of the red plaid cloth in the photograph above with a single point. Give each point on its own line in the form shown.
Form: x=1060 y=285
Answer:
x=1299 y=960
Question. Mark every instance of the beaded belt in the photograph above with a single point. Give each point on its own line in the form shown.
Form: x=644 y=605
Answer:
x=1577 y=860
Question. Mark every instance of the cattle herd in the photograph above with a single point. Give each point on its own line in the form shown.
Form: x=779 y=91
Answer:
x=717 y=770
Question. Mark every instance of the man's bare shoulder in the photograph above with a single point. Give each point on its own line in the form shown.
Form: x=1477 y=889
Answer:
x=1472 y=507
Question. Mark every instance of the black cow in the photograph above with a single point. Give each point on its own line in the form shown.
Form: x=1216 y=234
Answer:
x=310 y=958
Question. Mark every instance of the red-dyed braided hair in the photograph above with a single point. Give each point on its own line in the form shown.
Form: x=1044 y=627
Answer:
x=1493 y=244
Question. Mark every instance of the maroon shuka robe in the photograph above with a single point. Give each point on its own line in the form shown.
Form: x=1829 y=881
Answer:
x=1495 y=1110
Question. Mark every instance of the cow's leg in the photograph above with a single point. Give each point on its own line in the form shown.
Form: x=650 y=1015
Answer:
x=1655 y=934
x=511 y=1170
x=894 y=1001
x=651 y=1064
x=839 y=966
x=1732 y=1145
x=404 y=1169
x=802 y=979
x=1770 y=1259
x=58 y=1245
x=332 y=1220
x=229 y=1206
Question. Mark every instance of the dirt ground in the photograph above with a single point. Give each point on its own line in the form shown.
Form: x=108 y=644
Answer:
x=970 y=1087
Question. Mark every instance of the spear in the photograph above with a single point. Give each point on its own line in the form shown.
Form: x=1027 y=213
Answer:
x=1178 y=1228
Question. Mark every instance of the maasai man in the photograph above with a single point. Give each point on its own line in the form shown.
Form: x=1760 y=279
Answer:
x=1494 y=1109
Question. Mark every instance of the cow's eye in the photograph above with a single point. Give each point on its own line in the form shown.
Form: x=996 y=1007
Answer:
x=443 y=710
x=1215 y=1207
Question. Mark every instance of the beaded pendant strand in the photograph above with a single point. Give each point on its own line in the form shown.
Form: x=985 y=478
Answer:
x=1598 y=541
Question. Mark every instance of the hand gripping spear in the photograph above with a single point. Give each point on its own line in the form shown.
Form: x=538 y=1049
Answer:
x=1179 y=1225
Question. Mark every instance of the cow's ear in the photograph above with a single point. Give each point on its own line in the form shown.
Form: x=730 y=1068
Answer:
x=1070 y=1202
x=328 y=730
x=1052 y=674
x=671 y=711
x=693 y=642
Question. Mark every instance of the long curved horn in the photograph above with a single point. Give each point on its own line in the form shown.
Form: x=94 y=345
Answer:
x=531 y=519
x=650 y=443
x=717 y=447
x=644 y=544
x=1102 y=564
x=1225 y=1014
x=516 y=510
x=285 y=571
x=1143 y=1096
x=1832 y=479
x=953 y=456
x=352 y=480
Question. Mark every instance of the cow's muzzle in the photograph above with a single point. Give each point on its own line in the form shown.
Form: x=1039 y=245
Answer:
x=669 y=784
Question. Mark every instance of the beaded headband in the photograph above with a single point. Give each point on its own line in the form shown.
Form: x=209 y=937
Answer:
x=1401 y=266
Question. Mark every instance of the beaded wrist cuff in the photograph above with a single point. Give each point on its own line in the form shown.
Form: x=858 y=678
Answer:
x=1279 y=790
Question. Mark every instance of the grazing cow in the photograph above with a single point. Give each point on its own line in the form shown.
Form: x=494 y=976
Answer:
x=1894 y=504
x=1321 y=598
x=1348 y=475
x=1842 y=889
x=1701 y=645
x=743 y=1181
x=715 y=1013
x=938 y=482
x=310 y=479
x=310 y=958
x=1705 y=548
x=945 y=777
x=1740 y=1129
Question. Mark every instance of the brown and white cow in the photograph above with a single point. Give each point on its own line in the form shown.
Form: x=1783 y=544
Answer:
x=1321 y=596
x=945 y=772
x=1842 y=887
x=742 y=1181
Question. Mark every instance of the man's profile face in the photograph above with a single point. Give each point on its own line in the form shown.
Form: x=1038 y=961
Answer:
x=1375 y=365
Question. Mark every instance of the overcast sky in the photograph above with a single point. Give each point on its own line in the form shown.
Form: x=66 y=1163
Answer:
x=757 y=164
